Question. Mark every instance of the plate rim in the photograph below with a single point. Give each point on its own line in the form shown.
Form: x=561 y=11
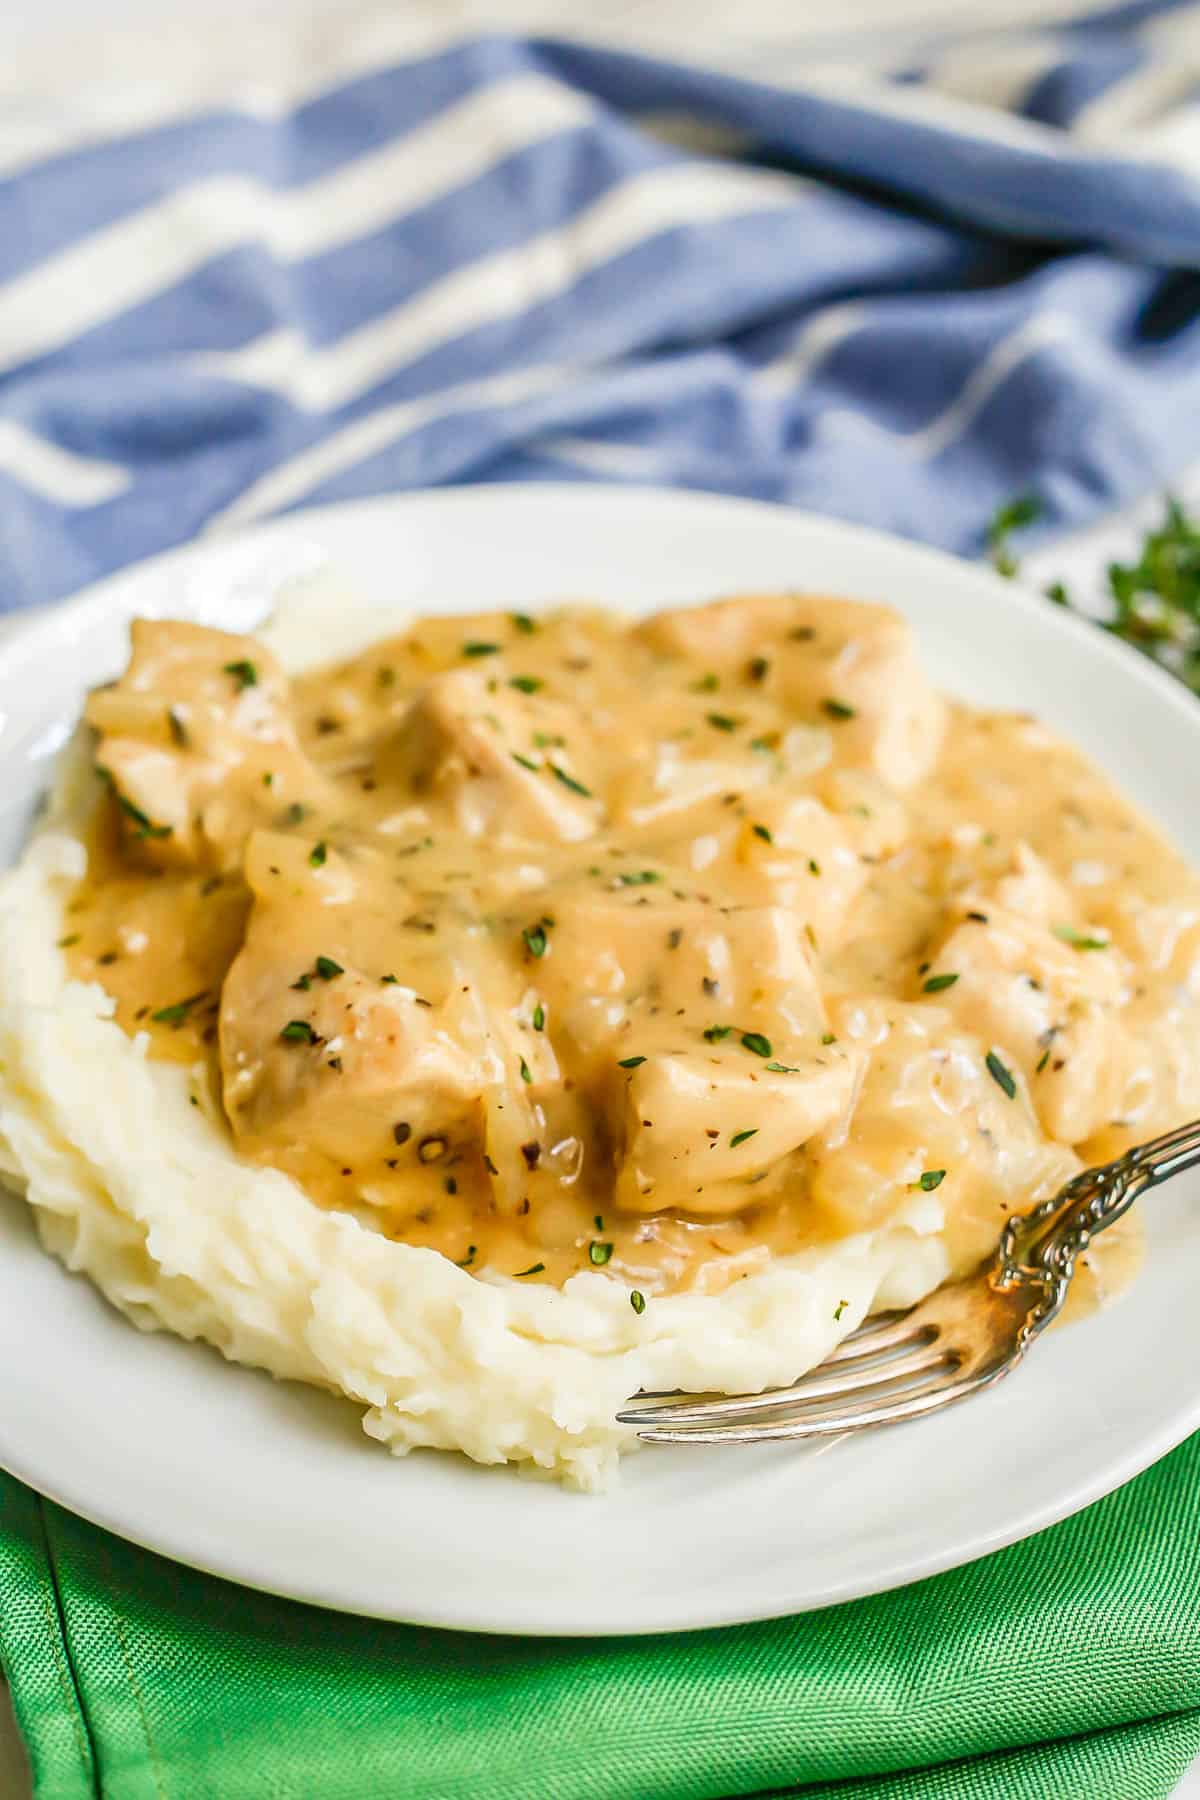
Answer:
x=31 y=636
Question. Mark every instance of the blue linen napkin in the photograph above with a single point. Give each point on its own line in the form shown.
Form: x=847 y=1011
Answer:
x=902 y=295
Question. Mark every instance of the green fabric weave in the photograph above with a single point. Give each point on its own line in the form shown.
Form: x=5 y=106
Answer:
x=1067 y=1666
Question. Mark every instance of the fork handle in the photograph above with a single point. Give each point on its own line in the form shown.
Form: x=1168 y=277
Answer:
x=1054 y=1233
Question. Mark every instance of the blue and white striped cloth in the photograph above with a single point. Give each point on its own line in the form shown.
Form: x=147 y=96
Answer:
x=902 y=295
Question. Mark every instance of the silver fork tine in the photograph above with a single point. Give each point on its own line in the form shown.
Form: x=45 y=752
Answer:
x=830 y=1422
x=872 y=1337
x=886 y=1376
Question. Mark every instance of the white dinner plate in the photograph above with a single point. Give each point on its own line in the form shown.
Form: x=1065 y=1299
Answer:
x=274 y=1485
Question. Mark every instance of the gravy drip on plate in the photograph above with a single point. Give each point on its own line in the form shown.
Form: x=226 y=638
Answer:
x=560 y=944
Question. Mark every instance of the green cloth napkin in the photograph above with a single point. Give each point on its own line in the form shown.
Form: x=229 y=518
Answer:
x=1067 y=1666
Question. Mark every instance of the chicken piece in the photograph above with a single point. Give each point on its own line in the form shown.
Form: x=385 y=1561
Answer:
x=503 y=761
x=875 y=821
x=697 y=1132
x=315 y=1046
x=778 y=845
x=931 y=1123
x=850 y=665
x=681 y=1018
x=1029 y=887
x=1048 y=998
x=658 y=790
x=627 y=969
x=198 y=742
x=326 y=1044
x=801 y=855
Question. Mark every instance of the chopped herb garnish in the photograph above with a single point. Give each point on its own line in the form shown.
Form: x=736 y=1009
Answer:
x=318 y=854
x=1000 y=1075
x=638 y=1301
x=840 y=1309
x=539 y=1017
x=631 y=1062
x=533 y=1269
x=932 y=1178
x=526 y=762
x=525 y=1075
x=569 y=781
x=721 y=721
x=523 y=623
x=937 y=984
x=146 y=828
x=757 y=668
x=390 y=980
x=639 y=878
x=303 y=984
x=837 y=709
x=535 y=939
x=244 y=673
x=707 y=684
x=761 y=831
x=177 y=728
x=525 y=684
x=294 y=813
x=545 y=740
x=1079 y=940
x=177 y=1015
x=268 y=778
x=715 y=1033
x=814 y=867
x=299 y=1031
x=599 y=1253
x=827 y=1037
x=64 y=943
x=1043 y=1059
x=756 y=1042
x=468 y=1259
x=327 y=968
x=778 y=1068
x=742 y=1137
x=477 y=649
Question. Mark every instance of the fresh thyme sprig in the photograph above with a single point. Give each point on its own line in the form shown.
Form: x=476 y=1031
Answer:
x=1154 y=600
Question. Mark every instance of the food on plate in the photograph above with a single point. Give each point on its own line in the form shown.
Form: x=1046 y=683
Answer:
x=520 y=1011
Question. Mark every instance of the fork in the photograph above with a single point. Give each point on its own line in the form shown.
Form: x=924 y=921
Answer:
x=905 y=1365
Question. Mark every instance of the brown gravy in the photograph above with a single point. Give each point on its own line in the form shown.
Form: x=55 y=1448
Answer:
x=556 y=945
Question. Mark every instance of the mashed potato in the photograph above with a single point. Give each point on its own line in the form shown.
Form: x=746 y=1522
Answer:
x=126 y=1156
x=145 y=1194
